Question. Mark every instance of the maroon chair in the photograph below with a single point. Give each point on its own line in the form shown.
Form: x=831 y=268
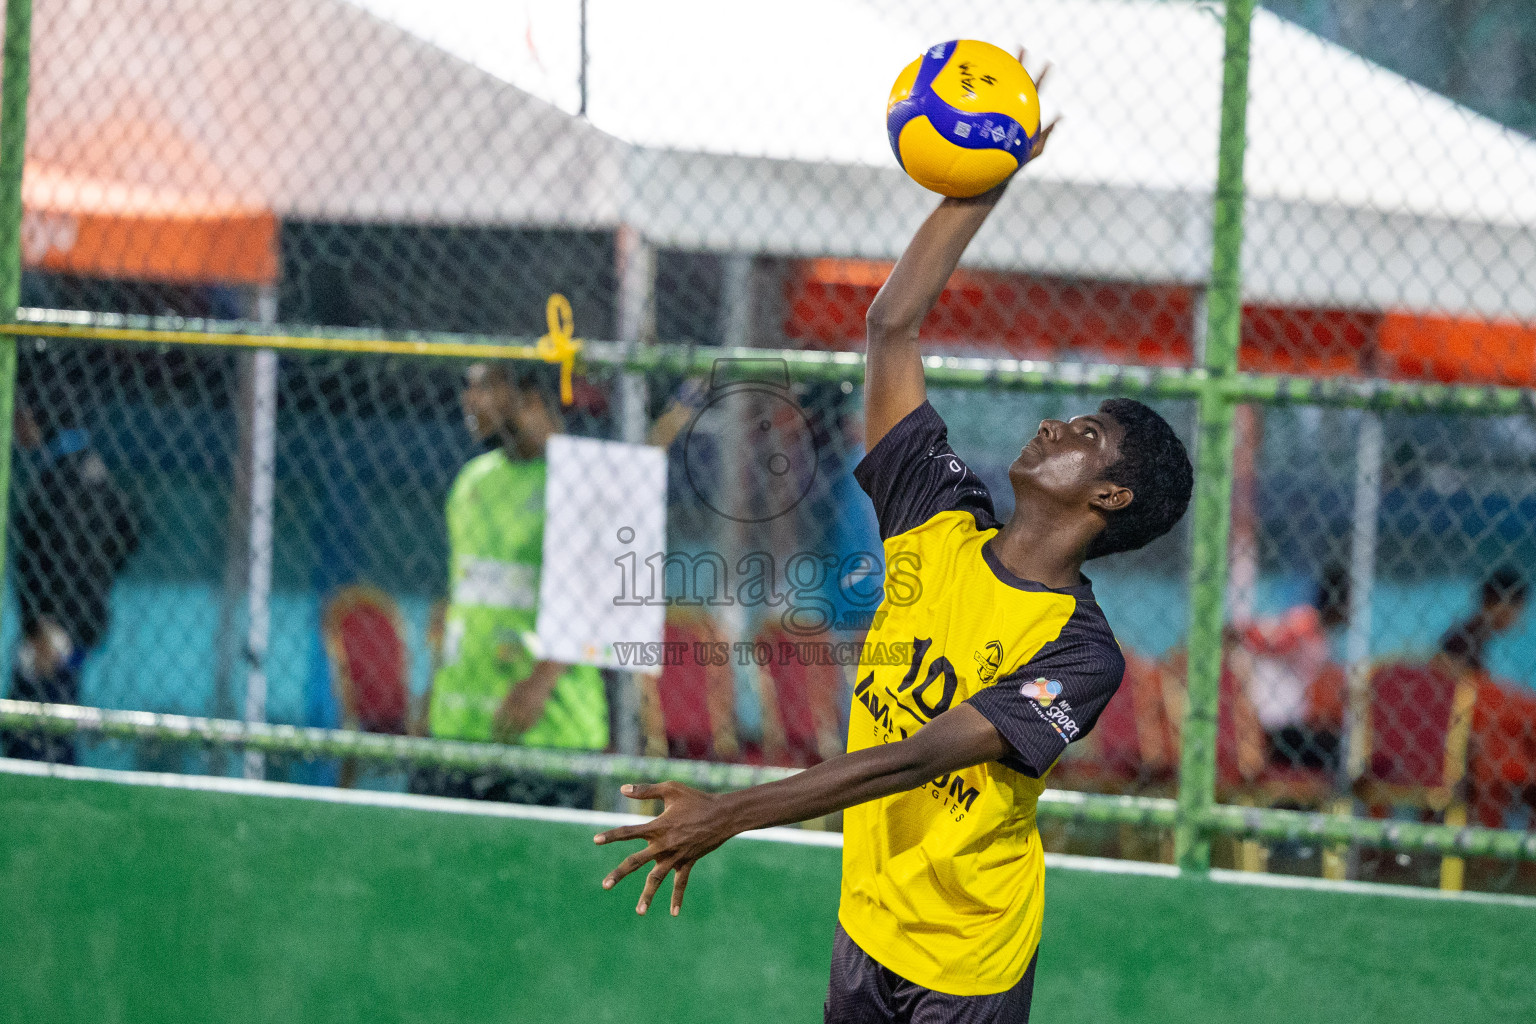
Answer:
x=689 y=706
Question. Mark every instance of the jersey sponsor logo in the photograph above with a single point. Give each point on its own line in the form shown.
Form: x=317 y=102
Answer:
x=1050 y=705
x=988 y=661
x=920 y=696
x=488 y=583
x=878 y=709
x=1042 y=690
x=955 y=794
x=1059 y=717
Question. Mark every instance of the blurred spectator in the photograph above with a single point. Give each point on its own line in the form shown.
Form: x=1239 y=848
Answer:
x=74 y=529
x=1503 y=749
x=492 y=684
x=851 y=533
x=1501 y=603
x=1503 y=756
x=1289 y=661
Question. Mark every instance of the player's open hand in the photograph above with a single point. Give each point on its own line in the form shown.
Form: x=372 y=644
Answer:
x=688 y=827
x=1037 y=150
x=1045 y=133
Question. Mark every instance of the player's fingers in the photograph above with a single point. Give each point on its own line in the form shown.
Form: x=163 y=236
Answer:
x=627 y=865
x=642 y=791
x=1044 y=137
x=1045 y=73
x=618 y=835
x=652 y=883
x=679 y=883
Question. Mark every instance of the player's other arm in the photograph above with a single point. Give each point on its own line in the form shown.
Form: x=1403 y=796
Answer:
x=893 y=376
x=524 y=703
x=694 y=823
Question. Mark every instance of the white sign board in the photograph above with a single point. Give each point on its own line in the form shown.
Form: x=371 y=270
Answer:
x=605 y=514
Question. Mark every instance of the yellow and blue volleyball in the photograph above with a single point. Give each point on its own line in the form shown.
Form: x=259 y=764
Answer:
x=963 y=117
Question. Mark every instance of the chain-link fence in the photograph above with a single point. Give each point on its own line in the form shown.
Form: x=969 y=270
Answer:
x=296 y=531
x=1379 y=648
x=134 y=505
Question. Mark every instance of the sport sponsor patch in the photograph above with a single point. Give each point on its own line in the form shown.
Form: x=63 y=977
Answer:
x=1051 y=706
x=1041 y=690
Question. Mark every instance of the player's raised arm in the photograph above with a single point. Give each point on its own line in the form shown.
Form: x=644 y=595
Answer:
x=893 y=376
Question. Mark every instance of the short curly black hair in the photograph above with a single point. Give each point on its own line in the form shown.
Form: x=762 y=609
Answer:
x=1155 y=466
x=520 y=374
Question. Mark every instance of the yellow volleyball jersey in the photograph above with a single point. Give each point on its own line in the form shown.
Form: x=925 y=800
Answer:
x=944 y=885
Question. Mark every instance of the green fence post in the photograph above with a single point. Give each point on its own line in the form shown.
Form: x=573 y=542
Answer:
x=1213 y=469
x=13 y=145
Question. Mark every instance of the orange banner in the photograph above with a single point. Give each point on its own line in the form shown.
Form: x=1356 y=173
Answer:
x=1457 y=349
x=79 y=224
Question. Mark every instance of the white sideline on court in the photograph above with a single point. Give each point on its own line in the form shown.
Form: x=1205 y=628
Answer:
x=609 y=819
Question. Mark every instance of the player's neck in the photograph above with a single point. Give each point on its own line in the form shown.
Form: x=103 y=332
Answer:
x=518 y=446
x=1044 y=545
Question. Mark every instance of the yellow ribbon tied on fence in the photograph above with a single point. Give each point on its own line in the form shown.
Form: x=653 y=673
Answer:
x=558 y=346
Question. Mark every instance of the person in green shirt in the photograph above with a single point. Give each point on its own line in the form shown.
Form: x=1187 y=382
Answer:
x=492 y=684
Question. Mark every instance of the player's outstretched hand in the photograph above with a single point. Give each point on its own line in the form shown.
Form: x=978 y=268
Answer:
x=1045 y=133
x=991 y=196
x=688 y=827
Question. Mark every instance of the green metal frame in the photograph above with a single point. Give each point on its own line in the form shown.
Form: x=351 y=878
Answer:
x=1213 y=456
x=1215 y=386
x=14 y=86
x=611 y=770
x=1025 y=375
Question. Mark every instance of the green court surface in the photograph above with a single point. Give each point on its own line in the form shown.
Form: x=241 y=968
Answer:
x=137 y=903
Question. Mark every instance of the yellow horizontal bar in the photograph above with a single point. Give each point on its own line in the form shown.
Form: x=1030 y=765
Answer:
x=292 y=343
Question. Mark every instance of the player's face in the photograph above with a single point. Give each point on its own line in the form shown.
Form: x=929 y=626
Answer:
x=1067 y=459
x=489 y=404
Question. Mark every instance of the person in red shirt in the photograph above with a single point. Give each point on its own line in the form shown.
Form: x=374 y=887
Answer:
x=1289 y=660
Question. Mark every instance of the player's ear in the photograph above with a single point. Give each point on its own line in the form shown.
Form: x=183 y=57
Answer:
x=1110 y=497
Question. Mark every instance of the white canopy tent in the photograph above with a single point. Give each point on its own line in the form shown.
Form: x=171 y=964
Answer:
x=759 y=128
x=309 y=109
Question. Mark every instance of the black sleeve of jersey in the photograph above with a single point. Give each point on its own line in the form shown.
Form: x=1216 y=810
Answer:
x=913 y=474
x=1056 y=698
